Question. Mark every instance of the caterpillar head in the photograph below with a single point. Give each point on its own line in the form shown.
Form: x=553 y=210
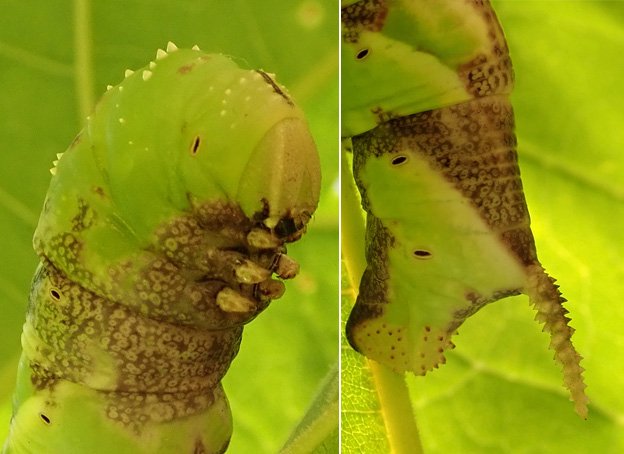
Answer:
x=204 y=113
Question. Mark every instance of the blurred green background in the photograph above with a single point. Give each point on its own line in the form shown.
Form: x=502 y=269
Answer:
x=290 y=347
x=500 y=390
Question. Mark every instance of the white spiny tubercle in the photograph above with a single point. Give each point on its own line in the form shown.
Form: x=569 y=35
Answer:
x=55 y=163
x=121 y=120
x=228 y=91
x=161 y=54
x=53 y=170
x=171 y=47
x=196 y=47
x=108 y=87
x=59 y=155
x=128 y=73
x=152 y=65
x=147 y=74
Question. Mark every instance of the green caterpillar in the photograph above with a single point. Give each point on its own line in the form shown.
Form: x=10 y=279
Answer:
x=425 y=103
x=160 y=232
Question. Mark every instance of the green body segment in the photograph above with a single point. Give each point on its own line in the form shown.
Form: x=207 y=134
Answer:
x=235 y=139
x=161 y=231
x=407 y=56
x=75 y=419
x=425 y=105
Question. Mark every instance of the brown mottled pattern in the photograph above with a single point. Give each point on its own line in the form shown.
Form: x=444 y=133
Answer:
x=477 y=302
x=472 y=144
x=67 y=248
x=199 y=447
x=365 y=15
x=42 y=378
x=153 y=342
x=373 y=292
x=85 y=217
x=161 y=371
x=224 y=218
x=182 y=241
x=490 y=74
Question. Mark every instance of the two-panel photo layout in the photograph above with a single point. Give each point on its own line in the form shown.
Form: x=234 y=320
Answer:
x=312 y=227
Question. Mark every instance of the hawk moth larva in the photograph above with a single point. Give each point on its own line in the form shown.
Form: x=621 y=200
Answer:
x=425 y=104
x=162 y=227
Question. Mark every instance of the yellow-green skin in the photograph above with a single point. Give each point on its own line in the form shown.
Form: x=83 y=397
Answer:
x=426 y=108
x=161 y=229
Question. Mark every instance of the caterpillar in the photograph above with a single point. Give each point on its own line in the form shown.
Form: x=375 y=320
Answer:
x=163 y=226
x=425 y=105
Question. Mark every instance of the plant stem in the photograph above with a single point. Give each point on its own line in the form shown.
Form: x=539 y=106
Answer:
x=396 y=407
x=351 y=224
x=394 y=399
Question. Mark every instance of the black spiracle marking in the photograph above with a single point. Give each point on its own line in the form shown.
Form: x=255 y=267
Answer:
x=362 y=54
x=195 y=145
x=399 y=160
x=422 y=254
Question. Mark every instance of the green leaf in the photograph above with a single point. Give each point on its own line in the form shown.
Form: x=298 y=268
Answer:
x=500 y=390
x=44 y=56
x=318 y=430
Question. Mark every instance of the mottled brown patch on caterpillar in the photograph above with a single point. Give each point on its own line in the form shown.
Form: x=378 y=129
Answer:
x=146 y=370
x=41 y=378
x=487 y=75
x=477 y=303
x=183 y=240
x=134 y=411
x=381 y=115
x=192 y=258
x=99 y=191
x=199 y=447
x=520 y=241
x=85 y=218
x=373 y=294
x=152 y=341
x=222 y=217
x=472 y=144
x=366 y=15
x=66 y=251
